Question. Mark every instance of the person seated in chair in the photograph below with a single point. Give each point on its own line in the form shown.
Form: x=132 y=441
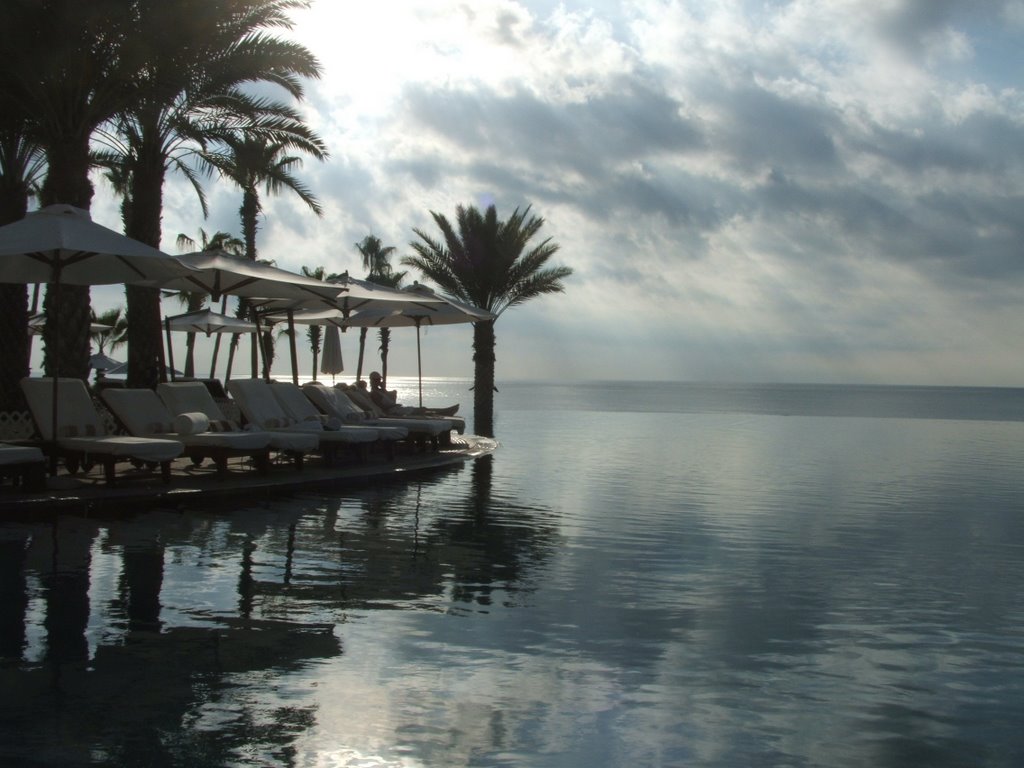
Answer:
x=387 y=401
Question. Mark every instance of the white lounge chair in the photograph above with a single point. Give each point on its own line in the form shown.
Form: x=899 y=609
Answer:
x=258 y=404
x=357 y=407
x=25 y=464
x=299 y=407
x=81 y=436
x=193 y=397
x=144 y=414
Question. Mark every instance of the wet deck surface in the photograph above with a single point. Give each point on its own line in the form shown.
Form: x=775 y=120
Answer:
x=87 y=492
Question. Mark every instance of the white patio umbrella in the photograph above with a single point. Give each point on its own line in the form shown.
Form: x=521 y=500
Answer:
x=204 y=321
x=36 y=323
x=448 y=312
x=217 y=273
x=415 y=306
x=62 y=245
x=101 y=362
x=331 y=361
x=207 y=321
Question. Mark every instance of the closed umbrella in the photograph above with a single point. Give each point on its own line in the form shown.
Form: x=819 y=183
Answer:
x=331 y=361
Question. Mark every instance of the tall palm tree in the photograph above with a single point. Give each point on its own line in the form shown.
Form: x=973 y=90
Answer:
x=484 y=261
x=193 y=94
x=22 y=165
x=376 y=258
x=68 y=67
x=193 y=301
x=258 y=161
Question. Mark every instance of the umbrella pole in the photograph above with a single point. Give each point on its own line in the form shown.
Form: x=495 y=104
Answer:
x=419 y=360
x=216 y=342
x=31 y=313
x=170 y=349
x=55 y=372
x=291 y=343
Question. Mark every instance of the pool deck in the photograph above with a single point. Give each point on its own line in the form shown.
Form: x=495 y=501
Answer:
x=189 y=484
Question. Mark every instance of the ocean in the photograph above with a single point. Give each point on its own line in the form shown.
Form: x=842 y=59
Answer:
x=643 y=574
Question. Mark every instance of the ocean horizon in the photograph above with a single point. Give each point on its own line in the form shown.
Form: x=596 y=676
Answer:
x=643 y=574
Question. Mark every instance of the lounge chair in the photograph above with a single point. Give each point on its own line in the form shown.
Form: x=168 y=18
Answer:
x=81 y=436
x=142 y=413
x=258 y=404
x=25 y=464
x=299 y=407
x=335 y=401
x=193 y=397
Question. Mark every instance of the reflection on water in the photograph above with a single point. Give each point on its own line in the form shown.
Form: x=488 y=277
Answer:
x=609 y=589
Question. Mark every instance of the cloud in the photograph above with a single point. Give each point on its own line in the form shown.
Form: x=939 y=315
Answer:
x=807 y=190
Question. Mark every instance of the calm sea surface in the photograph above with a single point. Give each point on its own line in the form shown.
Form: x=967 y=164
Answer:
x=642 y=575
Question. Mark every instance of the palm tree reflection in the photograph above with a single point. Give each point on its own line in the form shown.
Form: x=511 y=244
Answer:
x=190 y=671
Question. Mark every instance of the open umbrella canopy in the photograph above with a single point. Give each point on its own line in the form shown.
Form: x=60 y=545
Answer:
x=414 y=313
x=217 y=273
x=101 y=362
x=36 y=323
x=207 y=321
x=352 y=296
x=62 y=244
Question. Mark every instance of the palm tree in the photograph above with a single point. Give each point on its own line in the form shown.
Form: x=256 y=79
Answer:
x=376 y=259
x=22 y=164
x=115 y=333
x=193 y=301
x=314 y=332
x=255 y=161
x=68 y=67
x=194 y=93
x=484 y=261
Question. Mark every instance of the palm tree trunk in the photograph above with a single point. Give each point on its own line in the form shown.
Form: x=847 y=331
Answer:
x=145 y=333
x=362 y=348
x=483 y=378
x=67 y=181
x=13 y=313
x=196 y=301
x=385 y=346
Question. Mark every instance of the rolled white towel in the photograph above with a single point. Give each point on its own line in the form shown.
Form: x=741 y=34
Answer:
x=191 y=423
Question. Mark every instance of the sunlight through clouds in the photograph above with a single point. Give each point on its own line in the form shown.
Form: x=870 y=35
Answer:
x=835 y=183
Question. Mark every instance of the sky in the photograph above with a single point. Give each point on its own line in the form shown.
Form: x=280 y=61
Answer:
x=804 y=191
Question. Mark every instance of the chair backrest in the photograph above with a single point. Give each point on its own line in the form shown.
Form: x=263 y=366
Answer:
x=141 y=411
x=257 y=402
x=293 y=402
x=362 y=400
x=190 y=397
x=333 y=402
x=76 y=413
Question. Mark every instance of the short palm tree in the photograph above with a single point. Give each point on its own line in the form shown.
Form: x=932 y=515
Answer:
x=115 y=332
x=314 y=333
x=484 y=261
x=192 y=300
